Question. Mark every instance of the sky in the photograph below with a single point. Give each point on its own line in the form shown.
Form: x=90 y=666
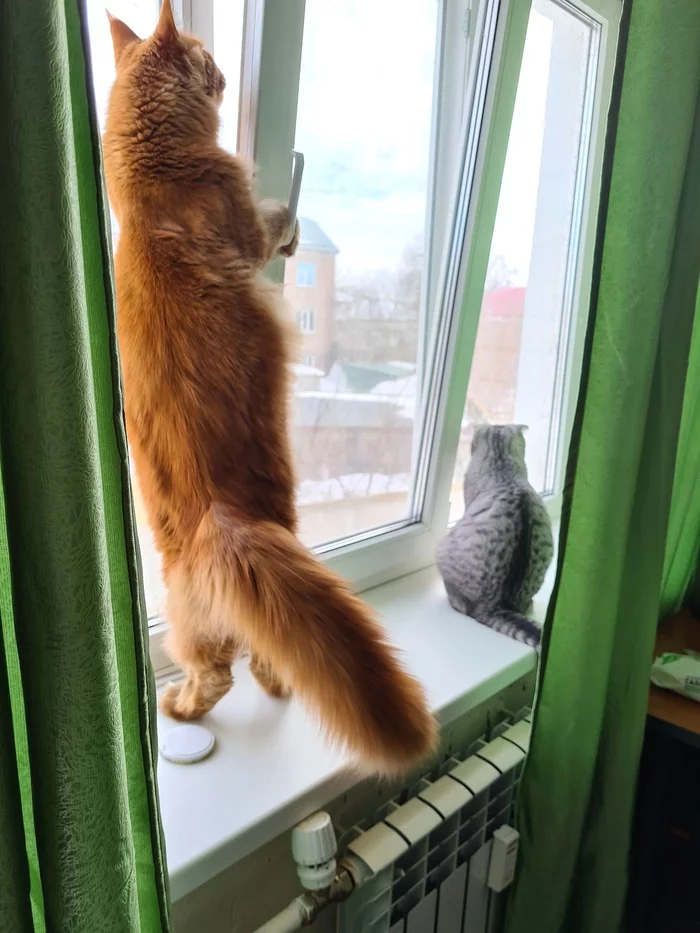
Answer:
x=364 y=124
x=364 y=120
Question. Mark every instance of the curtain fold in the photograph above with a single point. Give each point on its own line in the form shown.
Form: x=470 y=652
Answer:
x=578 y=790
x=683 y=540
x=80 y=838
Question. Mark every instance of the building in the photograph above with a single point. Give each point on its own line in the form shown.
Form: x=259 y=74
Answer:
x=309 y=287
x=493 y=379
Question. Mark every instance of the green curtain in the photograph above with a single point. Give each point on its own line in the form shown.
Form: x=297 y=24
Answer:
x=80 y=839
x=683 y=541
x=578 y=791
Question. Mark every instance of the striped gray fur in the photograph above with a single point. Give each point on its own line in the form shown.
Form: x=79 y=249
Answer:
x=495 y=558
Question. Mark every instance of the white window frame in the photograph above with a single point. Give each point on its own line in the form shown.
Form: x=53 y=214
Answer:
x=605 y=15
x=271 y=61
x=306 y=321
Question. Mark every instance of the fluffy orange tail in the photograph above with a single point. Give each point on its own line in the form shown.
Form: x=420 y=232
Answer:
x=320 y=640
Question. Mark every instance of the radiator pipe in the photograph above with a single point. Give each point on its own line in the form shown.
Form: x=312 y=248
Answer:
x=304 y=909
x=292 y=918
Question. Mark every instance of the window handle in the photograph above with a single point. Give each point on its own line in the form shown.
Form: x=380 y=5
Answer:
x=293 y=203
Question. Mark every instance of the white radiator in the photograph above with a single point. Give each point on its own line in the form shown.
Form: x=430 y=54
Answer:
x=441 y=831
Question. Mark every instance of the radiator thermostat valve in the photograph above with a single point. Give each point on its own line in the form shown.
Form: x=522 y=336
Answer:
x=314 y=848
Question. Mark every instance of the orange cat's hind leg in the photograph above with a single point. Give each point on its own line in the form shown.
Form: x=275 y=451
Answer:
x=201 y=690
x=206 y=659
x=267 y=679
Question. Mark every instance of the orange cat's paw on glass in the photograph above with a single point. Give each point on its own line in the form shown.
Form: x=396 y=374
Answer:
x=291 y=248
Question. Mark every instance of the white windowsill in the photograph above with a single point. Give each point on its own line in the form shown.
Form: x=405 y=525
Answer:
x=271 y=768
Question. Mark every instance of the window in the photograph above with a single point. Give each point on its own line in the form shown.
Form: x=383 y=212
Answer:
x=365 y=201
x=306 y=321
x=306 y=274
x=376 y=191
x=437 y=303
x=523 y=343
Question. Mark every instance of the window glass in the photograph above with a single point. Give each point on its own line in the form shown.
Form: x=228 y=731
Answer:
x=380 y=146
x=227 y=33
x=521 y=355
x=306 y=321
x=304 y=271
x=366 y=136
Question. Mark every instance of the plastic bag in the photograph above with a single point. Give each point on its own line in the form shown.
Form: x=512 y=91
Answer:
x=678 y=672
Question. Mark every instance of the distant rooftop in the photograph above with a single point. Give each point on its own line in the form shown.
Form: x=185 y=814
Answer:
x=313 y=239
x=301 y=369
x=505 y=302
x=363 y=377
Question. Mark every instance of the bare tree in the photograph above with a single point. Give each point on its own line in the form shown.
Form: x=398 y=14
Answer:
x=384 y=293
x=499 y=274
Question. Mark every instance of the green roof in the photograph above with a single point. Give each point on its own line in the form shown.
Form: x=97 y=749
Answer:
x=363 y=377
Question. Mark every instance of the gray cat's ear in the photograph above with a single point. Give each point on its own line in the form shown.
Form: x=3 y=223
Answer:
x=522 y=428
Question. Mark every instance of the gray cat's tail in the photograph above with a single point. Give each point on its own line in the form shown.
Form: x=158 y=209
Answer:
x=512 y=624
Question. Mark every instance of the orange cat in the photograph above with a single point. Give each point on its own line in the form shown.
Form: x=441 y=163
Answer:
x=205 y=352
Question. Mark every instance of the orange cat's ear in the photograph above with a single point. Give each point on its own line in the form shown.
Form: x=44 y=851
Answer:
x=122 y=36
x=166 y=30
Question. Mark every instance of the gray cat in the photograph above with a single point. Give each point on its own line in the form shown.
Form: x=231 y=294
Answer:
x=495 y=558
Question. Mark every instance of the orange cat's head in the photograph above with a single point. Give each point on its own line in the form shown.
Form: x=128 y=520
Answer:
x=168 y=79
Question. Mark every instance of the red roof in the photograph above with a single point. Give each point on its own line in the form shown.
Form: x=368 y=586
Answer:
x=504 y=302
